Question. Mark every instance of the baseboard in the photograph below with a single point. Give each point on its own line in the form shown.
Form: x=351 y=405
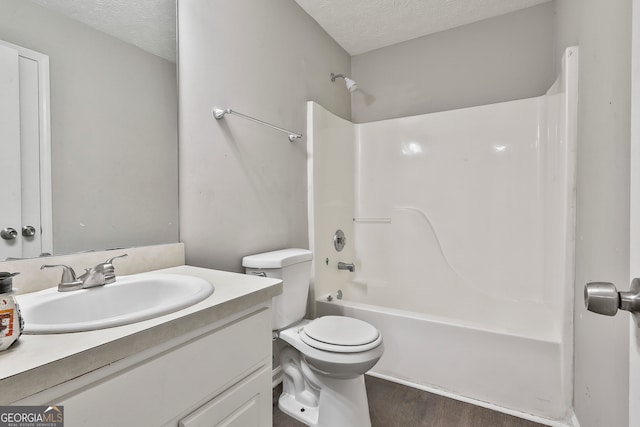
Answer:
x=540 y=420
x=276 y=377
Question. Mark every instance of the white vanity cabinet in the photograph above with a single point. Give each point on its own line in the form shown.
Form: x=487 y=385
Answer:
x=217 y=376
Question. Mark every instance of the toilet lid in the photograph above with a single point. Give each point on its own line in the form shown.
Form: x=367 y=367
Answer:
x=340 y=334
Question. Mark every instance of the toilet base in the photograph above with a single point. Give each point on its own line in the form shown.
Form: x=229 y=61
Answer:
x=305 y=414
x=318 y=400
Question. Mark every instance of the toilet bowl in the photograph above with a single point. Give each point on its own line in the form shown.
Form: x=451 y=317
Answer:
x=323 y=381
x=324 y=360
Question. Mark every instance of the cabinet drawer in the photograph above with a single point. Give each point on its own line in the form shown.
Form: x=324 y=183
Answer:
x=248 y=403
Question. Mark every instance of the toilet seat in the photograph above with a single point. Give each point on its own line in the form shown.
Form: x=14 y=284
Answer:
x=337 y=362
x=340 y=334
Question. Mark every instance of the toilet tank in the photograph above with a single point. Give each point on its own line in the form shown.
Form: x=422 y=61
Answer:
x=293 y=267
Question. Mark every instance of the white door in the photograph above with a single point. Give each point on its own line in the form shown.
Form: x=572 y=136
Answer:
x=31 y=229
x=25 y=153
x=10 y=174
x=634 y=252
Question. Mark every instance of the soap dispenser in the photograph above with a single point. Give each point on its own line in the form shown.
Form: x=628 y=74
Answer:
x=11 y=323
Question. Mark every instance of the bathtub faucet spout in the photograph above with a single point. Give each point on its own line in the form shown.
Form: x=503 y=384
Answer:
x=345 y=266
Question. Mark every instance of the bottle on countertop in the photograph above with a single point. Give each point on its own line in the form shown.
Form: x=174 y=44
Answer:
x=11 y=323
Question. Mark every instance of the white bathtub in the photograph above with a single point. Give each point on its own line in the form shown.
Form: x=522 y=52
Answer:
x=512 y=371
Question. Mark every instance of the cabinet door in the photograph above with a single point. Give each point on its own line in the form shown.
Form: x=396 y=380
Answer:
x=162 y=390
x=247 y=404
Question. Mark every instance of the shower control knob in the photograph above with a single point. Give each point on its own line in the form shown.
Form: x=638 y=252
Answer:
x=339 y=240
x=604 y=298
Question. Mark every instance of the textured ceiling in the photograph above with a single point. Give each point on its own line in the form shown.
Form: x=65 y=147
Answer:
x=148 y=24
x=363 y=25
x=357 y=25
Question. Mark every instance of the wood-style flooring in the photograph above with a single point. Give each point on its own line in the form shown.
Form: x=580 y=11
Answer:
x=395 y=405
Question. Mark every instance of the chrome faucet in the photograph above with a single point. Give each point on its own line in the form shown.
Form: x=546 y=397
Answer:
x=102 y=274
x=345 y=266
x=68 y=281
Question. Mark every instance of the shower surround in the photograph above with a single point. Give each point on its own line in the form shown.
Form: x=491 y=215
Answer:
x=461 y=227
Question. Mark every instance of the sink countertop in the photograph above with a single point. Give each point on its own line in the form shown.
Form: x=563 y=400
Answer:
x=38 y=362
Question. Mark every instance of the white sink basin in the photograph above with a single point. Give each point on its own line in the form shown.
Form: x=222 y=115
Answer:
x=130 y=299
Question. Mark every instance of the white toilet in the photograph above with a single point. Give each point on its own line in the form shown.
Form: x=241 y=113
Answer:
x=325 y=359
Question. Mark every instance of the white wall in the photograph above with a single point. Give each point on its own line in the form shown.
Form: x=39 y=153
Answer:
x=114 y=132
x=243 y=186
x=603 y=31
x=499 y=59
x=567 y=27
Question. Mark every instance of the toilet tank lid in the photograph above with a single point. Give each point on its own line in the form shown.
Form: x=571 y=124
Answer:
x=277 y=259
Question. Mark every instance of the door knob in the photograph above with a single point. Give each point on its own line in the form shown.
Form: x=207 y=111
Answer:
x=28 y=231
x=604 y=298
x=8 y=233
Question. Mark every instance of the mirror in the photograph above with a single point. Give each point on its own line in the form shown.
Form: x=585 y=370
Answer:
x=113 y=115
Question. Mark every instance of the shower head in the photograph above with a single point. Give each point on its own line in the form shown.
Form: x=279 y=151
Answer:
x=351 y=84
